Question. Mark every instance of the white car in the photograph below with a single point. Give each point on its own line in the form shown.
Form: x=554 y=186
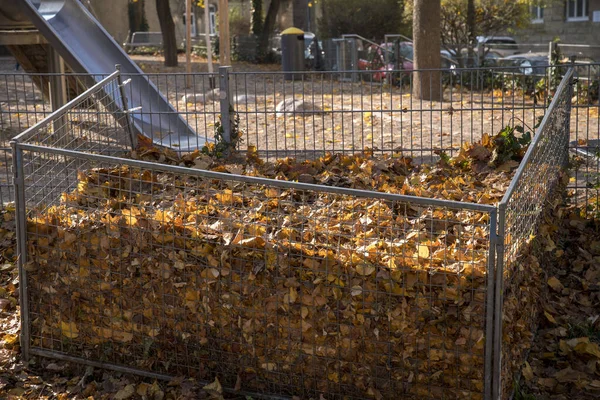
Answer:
x=502 y=45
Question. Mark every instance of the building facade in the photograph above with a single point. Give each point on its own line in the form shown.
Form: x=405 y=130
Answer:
x=113 y=15
x=570 y=21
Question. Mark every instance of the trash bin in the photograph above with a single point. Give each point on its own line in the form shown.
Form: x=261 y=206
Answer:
x=292 y=52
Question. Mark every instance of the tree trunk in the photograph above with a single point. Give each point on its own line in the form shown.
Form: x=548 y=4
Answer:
x=427 y=46
x=257 y=21
x=167 y=27
x=471 y=32
x=268 y=27
x=300 y=14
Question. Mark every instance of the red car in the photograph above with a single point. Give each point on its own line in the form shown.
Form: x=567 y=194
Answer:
x=399 y=57
x=377 y=61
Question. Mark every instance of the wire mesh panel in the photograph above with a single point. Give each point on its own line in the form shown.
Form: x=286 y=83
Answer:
x=194 y=99
x=289 y=288
x=93 y=122
x=24 y=101
x=521 y=211
x=318 y=112
x=585 y=139
x=284 y=288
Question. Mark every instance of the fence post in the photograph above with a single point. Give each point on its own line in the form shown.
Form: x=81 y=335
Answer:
x=58 y=88
x=21 y=228
x=551 y=49
x=480 y=55
x=225 y=101
x=354 y=61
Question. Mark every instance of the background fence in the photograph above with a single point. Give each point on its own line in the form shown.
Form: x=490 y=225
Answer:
x=164 y=270
x=322 y=111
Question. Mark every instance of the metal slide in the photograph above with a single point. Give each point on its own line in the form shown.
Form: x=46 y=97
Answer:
x=84 y=44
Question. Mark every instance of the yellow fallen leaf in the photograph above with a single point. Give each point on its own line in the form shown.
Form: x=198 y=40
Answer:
x=10 y=339
x=304 y=312
x=365 y=269
x=356 y=291
x=591 y=349
x=214 y=389
x=423 y=251
x=293 y=295
x=125 y=393
x=210 y=273
x=555 y=284
x=569 y=375
x=254 y=242
x=269 y=366
x=70 y=238
x=69 y=329
x=549 y=317
x=123 y=337
x=527 y=372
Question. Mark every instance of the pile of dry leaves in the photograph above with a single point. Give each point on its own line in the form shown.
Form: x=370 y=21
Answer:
x=564 y=362
x=262 y=284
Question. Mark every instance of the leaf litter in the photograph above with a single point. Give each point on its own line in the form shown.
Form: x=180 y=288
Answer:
x=564 y=362
x=421 y=180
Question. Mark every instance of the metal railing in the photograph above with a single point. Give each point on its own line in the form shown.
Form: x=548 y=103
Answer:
x=164 y=270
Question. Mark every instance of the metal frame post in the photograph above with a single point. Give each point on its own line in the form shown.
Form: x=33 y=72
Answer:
x=225 y=102
x=21 y=228
x=128 y=124
x=498 y=302
x=490 y=307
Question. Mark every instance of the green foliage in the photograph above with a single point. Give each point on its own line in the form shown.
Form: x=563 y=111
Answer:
x=587 y=91
x=221 y=147
x=137 y=16
x=584 y=329
x=508 y=146
x=520 y=393
x=492 y=17
x=238 y=25
x=370 y=19
x=257 y=18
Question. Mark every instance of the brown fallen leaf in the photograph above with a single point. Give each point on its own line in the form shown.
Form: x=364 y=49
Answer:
x=214 y=389
x=527 y=372
x=569 y=375
x=549 y=317
x=126 y=393
x=555 y=284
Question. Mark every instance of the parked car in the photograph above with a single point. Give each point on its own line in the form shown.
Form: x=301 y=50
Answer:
x=313 y=51
x=502 y=45
x=529 y=63
x=394 y=56
x=490 y=58
x=406 y=51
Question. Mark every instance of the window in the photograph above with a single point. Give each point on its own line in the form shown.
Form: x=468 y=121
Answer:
x=577 y=10
x=212 y=18
x=537 y=14
x=193 y=21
